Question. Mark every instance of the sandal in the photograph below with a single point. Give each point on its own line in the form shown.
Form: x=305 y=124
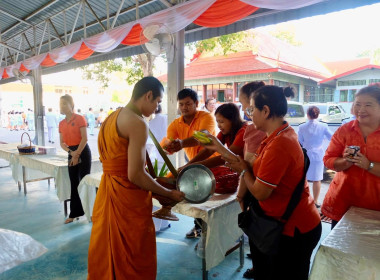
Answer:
x=70 y=220
x=249 y=274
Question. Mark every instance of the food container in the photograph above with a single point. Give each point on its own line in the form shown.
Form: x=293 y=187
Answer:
x=26 y=149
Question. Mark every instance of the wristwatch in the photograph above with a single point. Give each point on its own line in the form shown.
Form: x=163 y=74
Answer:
x=371 y=165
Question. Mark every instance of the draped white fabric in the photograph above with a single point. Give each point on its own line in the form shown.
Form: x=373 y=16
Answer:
x=281 y=4
x=11 y=67
x=65 y=53
x=110 y=39
x=178 y=17
x=35 y=61
x=175 y=19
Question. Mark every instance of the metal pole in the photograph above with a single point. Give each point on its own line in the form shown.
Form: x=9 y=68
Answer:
x=176 y=83
x=38 y=106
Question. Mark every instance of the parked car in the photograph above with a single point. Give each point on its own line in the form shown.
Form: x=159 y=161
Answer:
x=329 y=112
x=296 y=113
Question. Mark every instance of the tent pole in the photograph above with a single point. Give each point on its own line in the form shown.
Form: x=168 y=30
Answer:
x=176 y=82
x=38 y=107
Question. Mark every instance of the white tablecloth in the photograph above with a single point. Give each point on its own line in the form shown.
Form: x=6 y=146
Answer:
x=220 y=213
x=42 y=166
x=352 y=249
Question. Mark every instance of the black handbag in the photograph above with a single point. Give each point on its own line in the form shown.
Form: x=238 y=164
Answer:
x=264 y=231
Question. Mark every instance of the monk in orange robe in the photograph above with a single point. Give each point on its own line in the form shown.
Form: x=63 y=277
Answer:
x=123 y=243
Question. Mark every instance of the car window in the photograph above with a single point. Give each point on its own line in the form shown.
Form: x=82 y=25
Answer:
x=322 y=109
x=295 y=111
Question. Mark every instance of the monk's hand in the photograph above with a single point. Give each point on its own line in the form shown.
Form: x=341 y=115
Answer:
x=177 y=195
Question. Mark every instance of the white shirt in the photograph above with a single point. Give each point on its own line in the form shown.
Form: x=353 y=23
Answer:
x=311 y=135
x=51 y=119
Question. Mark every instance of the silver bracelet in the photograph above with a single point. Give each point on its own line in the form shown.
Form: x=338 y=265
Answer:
x=242 y=173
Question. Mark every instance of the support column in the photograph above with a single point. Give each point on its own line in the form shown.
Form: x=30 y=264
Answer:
x=176 y=77
x=38 y=107
x=235 y=92
x=301 y=93
x=205 y=93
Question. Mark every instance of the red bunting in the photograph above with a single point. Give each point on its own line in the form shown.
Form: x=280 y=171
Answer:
x=224 y=12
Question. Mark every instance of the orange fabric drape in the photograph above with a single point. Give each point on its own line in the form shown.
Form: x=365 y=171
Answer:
x=23 y=68
x=5 y=74
x=133 y=37
x=83 y=53
x=224 y=12
x=48 y=61
x=123 y=241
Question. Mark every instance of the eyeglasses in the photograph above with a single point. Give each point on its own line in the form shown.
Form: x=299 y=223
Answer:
x=249 y=111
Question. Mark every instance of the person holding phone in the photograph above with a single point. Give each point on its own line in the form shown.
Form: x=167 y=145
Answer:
x=354 y=153
x=73 y=140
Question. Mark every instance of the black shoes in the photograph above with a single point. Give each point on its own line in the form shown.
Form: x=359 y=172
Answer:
x=194 y=233
x=249 y=274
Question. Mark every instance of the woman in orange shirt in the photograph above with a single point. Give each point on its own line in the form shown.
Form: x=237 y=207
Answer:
x=357 y=180
x=232 y=129
x=73 y=139
x=277 y=169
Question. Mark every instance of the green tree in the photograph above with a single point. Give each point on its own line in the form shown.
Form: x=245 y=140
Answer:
x=373 y=54
x=286 y=35
x=133 y=69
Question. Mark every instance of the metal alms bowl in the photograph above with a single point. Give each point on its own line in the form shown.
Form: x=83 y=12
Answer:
x=197 y=182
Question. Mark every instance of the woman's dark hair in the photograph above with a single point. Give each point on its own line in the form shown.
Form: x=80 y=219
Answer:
x=313 y=112
x=231 y=112
x=249 y=88
x=371 y=90
x=187 y=92
x=146 y=84
x=275 y=98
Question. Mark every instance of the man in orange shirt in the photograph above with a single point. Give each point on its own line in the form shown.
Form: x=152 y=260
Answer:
x=181 y=130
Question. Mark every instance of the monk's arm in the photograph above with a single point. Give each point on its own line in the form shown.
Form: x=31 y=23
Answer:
x=136 y=157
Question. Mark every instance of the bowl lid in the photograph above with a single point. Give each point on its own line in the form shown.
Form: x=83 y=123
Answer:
x=197 y=182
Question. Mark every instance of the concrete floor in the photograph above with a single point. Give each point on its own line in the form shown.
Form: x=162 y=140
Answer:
x=40 y=215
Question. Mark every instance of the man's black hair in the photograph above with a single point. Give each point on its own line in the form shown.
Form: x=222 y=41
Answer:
x=146 y=84
x=187 y=92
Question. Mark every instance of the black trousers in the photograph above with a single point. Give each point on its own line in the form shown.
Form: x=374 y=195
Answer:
x=293 y=259
x=76 y=173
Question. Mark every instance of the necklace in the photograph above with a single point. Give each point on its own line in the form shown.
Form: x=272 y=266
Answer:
x=134 y=109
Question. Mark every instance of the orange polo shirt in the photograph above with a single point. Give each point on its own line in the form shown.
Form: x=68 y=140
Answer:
x=279 y=165
x=178 y=129
x=354 y=186
x=238 y=141
x=70 y=130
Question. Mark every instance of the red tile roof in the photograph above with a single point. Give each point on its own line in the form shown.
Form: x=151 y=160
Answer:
x=341 y=66
x=241 y=63
x=352 y=71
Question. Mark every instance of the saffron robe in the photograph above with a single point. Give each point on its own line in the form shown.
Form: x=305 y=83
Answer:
x=123 y=242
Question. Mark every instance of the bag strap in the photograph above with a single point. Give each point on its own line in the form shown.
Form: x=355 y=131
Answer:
x=294 y=200
x=296 y=196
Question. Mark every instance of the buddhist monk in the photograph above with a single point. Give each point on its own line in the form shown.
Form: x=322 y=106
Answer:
x=122 y=243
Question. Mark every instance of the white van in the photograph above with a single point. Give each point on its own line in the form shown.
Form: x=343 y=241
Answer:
x=296 y=113
x=329 y=112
